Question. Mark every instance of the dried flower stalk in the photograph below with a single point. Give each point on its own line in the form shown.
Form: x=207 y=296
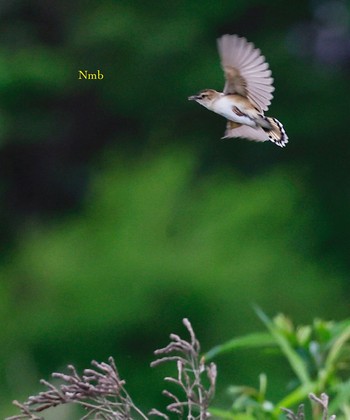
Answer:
x=101 y=391
x=300 y=415
x=190 y=368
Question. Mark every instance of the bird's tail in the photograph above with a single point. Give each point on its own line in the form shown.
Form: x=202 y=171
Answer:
x=276 y=132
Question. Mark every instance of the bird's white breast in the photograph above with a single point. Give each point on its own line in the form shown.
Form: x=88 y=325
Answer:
x=224 y=106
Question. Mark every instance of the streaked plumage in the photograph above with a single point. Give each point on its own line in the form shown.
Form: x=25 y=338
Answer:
x=247 y=93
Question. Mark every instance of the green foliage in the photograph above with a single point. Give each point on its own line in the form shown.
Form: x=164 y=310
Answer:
x=318 y=356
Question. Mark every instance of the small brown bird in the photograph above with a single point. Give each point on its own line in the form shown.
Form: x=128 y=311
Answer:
x=247 y=93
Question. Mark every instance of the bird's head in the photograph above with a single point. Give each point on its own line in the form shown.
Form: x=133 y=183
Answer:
x=205 y=97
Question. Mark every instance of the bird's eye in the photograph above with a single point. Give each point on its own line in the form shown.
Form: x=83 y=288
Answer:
x=204 y=95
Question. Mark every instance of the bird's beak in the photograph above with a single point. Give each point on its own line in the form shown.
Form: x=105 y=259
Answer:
x=193 y=98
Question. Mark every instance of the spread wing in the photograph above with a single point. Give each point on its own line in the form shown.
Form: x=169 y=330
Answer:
x=246 y=71
x=256 y=134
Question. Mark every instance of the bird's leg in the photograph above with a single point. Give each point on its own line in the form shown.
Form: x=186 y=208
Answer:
x=231 y=125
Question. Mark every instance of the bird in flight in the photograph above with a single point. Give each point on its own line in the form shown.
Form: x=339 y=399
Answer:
x=247 y=93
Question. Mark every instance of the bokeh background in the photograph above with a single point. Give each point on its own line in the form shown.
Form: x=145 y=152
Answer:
x=123 y=212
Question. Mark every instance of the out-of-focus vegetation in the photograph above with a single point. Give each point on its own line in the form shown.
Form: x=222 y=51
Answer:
x=121 y=210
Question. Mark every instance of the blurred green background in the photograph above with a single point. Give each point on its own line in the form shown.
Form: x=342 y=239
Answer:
x=123 y=212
